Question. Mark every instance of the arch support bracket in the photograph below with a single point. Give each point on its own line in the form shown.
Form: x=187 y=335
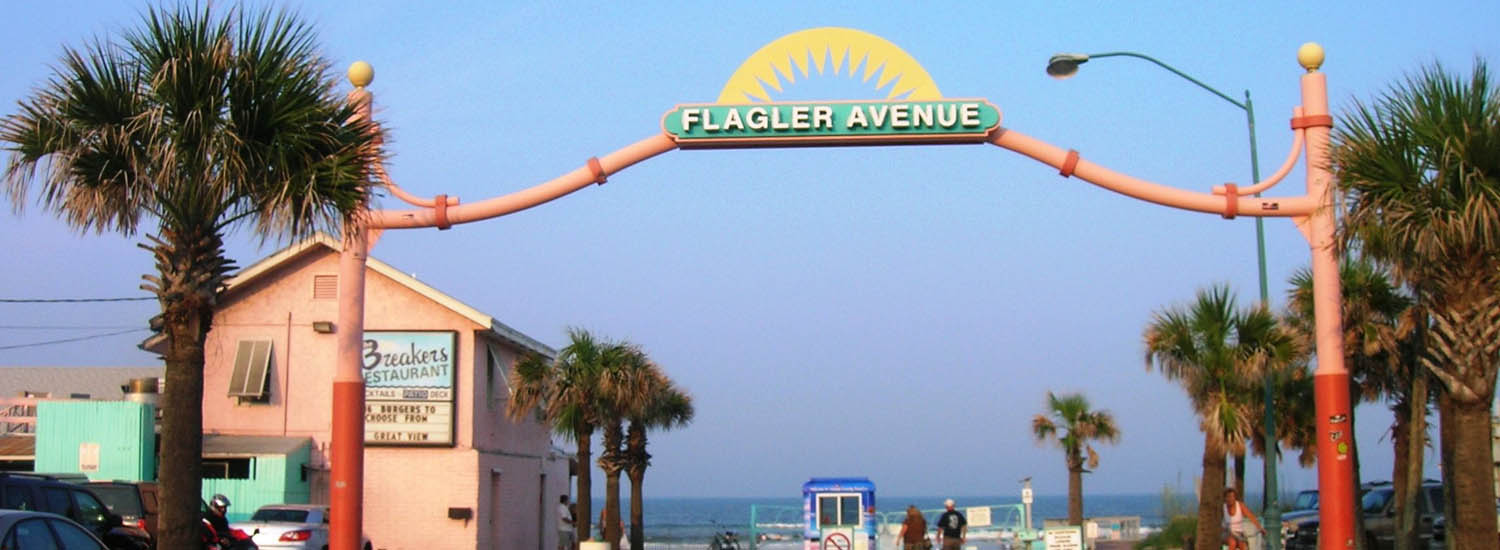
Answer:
x=599 y=176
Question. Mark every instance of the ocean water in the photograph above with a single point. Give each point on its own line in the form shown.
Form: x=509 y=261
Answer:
x=693 y=522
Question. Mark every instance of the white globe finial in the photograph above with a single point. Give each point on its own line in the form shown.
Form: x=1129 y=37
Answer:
x=1310 y=55
x=360 y=74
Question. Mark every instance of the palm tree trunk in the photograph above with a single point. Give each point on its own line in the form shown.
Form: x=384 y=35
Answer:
x=190 y=267
x=1210 y=495
x=1075 y=491
x=611 y=460
x=1467 y=425
x=611 y=526
x=1445 y=457
x=1411 y=438
x=637 y=460
x=182 y=431
x=1239 y=475
x=584 y=503
x=1400 y=443
x=637 y=514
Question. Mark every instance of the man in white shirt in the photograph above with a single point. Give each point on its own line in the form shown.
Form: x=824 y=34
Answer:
x=564 y=524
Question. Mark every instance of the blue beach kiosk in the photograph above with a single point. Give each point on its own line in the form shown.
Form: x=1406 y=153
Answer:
x=838 y=513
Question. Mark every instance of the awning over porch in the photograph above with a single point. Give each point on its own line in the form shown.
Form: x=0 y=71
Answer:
x=245 y=446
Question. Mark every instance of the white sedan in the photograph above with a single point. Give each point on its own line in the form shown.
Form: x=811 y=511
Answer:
x=299 y=526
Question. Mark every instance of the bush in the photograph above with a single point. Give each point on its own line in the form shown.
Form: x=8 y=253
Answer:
x=1179 y=529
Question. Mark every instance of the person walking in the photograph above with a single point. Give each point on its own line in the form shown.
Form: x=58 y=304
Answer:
x=913 y=530
x=1235 y=514
x=564 y=523
x=952 y=528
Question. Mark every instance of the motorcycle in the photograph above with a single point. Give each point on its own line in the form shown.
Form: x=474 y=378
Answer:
x=235 y=539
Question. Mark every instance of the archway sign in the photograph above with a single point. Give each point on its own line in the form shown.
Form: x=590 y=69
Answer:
x=913 y=112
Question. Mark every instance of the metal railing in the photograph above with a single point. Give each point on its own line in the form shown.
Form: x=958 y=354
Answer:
x=18 y=415
x=990 y=526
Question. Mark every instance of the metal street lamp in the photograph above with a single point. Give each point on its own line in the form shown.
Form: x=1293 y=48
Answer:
x=1065 y=65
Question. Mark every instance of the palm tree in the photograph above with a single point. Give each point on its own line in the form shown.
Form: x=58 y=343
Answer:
x=1295 y=414
x=1071 y=414
x=625 y=383
x=1372 y=311
x=1214 y=352
x=197 y=123
x=564 y=393
x=666 y=407
x=1420 y=172
x=1268 y=353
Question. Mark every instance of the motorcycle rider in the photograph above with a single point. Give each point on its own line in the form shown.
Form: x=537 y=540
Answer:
x=218 y=509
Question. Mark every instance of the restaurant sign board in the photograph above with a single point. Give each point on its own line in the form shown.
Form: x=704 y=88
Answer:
x=409 y=387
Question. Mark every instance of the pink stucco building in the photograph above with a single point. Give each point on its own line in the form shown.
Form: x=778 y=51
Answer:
x=444 y=467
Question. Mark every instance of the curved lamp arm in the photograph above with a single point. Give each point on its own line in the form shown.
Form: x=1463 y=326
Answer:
x=1174 y=70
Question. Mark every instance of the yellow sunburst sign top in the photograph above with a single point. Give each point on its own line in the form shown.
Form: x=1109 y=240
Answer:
x=845 y=51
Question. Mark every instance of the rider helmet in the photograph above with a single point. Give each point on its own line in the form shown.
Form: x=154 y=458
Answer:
x=219 y=501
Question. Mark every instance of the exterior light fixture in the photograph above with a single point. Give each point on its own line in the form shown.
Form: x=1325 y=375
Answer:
x=323 y=327
x=1064 y=65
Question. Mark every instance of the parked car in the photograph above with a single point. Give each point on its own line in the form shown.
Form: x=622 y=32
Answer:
x=134 y=501
x=1378 y=507
x=1303 y=509
x=22 y=529
x=291 y=526
x=33 y=492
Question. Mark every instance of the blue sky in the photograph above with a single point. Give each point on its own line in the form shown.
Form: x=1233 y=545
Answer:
x=896 y=312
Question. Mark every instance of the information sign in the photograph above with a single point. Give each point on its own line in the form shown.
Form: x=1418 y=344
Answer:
x=1063 y=538
x=409 y=379
x=88 y=457
x=978 y=516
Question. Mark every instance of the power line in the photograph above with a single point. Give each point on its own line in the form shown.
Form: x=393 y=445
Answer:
x=70 y=300
x=77 y=339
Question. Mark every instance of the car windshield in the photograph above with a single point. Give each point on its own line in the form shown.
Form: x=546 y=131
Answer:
x=1306 y=500
x=280 y=515
x=1374 y=501
x=120 y=499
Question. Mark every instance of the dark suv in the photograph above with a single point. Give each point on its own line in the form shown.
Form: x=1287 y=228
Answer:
x=1378 y=507
x=134 y=501
x=47 y=494
x=1304 y=509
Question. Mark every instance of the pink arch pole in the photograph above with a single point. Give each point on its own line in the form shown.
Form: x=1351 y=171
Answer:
x=1314 y=215
x=1312 y=212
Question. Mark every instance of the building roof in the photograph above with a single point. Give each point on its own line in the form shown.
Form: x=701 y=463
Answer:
x=321 y=241
x=65 y=382
x=239 y=446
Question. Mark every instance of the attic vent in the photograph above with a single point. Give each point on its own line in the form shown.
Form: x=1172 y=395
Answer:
x=325 y=287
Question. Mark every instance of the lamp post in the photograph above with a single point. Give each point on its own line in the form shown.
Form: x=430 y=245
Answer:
x=1064 y=65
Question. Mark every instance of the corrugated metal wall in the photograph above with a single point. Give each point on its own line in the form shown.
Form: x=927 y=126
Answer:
x=68 y=431
x=274 y=479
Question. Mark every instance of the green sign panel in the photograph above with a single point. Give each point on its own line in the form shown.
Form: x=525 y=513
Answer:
x=831 y=123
